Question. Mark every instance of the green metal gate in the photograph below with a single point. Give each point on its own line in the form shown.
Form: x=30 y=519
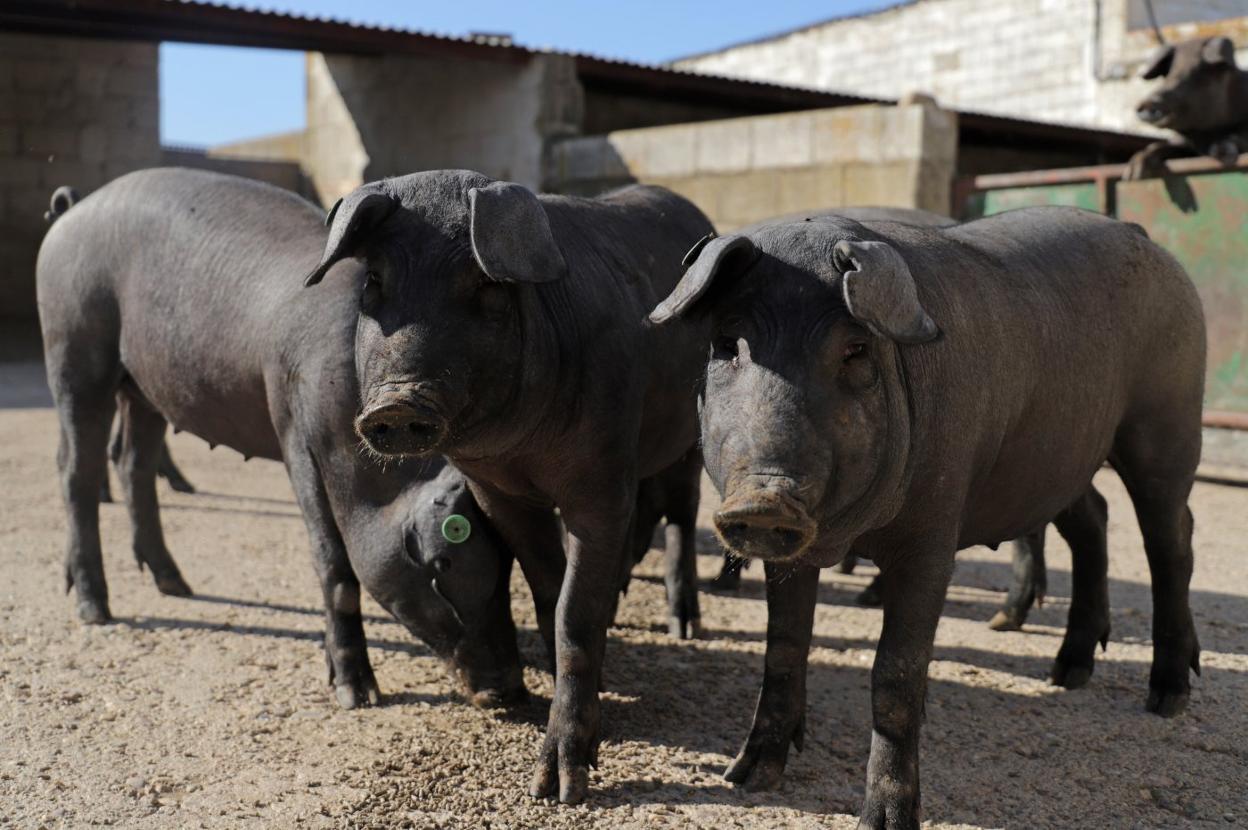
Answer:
x=1199 y=212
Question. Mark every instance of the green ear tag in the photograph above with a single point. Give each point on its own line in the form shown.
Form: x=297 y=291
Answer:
x=456 y=529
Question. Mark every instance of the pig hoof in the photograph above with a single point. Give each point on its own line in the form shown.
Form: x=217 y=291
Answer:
x=1070 y=677
x=1166 y=703
x=499 y=698
x=181 y=485
x=1004 y=621
x=173 y=585
x=356 y=696
x=93 y=612
x=757 y=770
x=896 y=810
x=574 y=785
x=688 y=629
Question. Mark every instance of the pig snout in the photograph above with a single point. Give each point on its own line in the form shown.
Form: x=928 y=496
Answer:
x=401 y=423
x=507 y=692
x=765 y=523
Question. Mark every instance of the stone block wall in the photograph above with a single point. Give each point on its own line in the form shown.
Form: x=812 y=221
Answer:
x=72 y=111
x=1068 y=61
x=742 y=170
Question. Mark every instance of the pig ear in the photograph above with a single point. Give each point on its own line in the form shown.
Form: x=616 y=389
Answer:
x=511 y=236
x=351 y=220
x=1218 y=50
x=1159 y=64
x=711 y=256
x=879 y=291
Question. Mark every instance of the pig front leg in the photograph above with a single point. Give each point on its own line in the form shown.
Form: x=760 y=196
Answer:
x=780 y=715
x=598 y=537
x=913 y=590
x=346 y=650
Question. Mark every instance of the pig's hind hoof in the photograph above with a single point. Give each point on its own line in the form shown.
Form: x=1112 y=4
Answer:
x=93 y=612
x=1166 y=703
x=687 y=629
x=173 y=585
x=363 y=692
x=757 y=770
x=1068 y=676
x=1004 y=621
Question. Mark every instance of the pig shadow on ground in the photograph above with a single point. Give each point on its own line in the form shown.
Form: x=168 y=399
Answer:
x=274 y=606
x=986 y=750
x=1130 y=603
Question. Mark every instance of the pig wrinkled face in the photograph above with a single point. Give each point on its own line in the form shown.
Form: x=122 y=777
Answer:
x=451 y=262
x=437 y=346
x=1196 y=92
x=801 y=396
x=447 y=581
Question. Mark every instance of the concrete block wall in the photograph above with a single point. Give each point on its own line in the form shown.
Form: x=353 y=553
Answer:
x=371 y=117
x=742 y=170
x=1036 y=59
x=72 y=111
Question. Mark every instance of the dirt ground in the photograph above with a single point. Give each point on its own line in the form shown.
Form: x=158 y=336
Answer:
x=213 y=711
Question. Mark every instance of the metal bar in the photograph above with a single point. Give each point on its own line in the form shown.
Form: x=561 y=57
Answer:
x=1072 y=175
x=1223 y=419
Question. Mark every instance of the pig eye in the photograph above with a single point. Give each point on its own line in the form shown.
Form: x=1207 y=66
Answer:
x=494 y=300
x=442 y=564
x=724 y=348
x=854 y=350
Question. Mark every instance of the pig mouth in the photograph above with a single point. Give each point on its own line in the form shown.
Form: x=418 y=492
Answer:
x=765 y=524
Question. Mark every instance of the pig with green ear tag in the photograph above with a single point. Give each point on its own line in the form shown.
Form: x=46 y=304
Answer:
x=901 y=392
x=507 y=331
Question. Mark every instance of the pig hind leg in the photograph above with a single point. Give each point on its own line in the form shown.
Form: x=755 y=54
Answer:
x=141 y=442
x=1156 y=460
x=83 y=377
x=684 y=618
x=1083 y=526
x=1029 y=582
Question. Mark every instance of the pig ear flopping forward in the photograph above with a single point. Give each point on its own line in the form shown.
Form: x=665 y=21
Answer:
x=1159 y=64
x=351 y=220
x=880 y=293
x=511 y=236
x=709 y=257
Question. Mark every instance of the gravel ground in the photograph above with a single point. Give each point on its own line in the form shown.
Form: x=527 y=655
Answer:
x=213 y=711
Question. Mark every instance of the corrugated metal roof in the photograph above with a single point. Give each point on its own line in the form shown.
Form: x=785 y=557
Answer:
x=211 y=21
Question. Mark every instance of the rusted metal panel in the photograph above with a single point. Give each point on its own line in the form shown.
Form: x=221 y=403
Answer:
x=1203 y=220
x=1199 y=213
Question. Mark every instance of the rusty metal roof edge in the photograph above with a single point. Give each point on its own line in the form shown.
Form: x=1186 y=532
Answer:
x=233 y=16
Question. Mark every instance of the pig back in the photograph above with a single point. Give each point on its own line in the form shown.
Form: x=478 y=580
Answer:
x=1057 y=325
x=205 y=272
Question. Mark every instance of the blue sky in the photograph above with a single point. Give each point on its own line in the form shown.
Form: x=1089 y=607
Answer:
x=215 y=94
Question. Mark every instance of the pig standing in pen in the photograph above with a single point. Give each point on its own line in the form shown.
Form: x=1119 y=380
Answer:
x=932 y=389
x=203 y=326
